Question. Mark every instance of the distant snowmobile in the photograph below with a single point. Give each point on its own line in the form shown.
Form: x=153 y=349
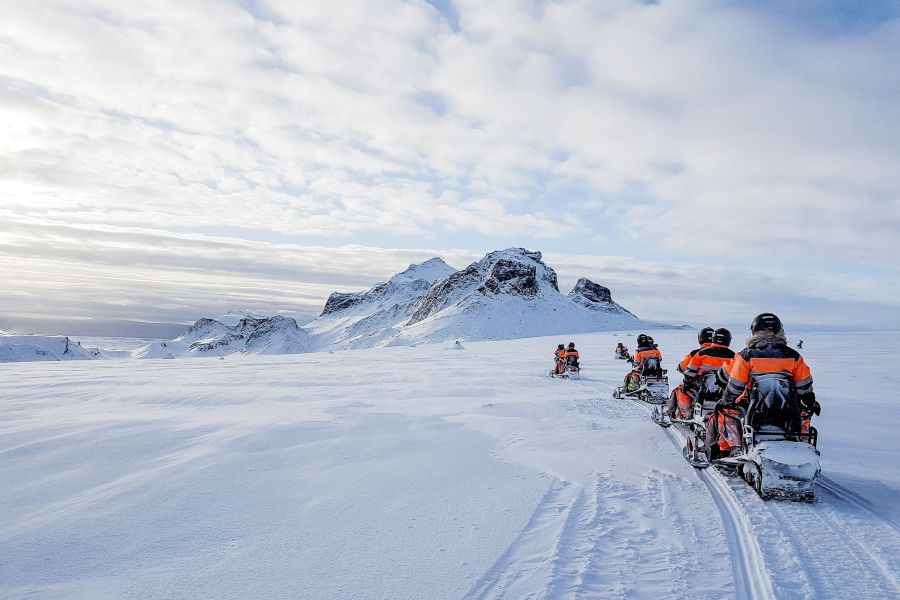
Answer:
x=648 y=381
x=621 y=352
x=567 y=366
x=568 y=372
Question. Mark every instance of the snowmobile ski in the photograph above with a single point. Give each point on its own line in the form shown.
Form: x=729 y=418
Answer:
x=694 y=455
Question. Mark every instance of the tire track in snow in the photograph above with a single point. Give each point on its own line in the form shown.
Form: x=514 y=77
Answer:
x=524 y=569
x=751 y=579
x=826 y=537
x=845 y=495
x=814 y=532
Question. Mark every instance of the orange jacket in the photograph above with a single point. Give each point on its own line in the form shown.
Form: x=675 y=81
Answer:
x=686 y=361
x=767 y=356
x=641 y=355
x=709 y=359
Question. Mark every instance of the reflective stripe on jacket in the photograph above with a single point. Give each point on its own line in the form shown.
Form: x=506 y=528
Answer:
x=765 y=358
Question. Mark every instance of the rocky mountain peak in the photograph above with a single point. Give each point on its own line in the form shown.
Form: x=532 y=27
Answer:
x=512 y=272
x=596 y=297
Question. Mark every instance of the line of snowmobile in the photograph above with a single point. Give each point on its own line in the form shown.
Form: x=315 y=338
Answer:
x=765 y=437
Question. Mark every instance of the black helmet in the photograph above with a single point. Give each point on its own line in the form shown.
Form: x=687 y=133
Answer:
x=722 y=336
x=705 y=335
x=766 y=322
x=571 y=344
x=560 y=347
x=644 y=340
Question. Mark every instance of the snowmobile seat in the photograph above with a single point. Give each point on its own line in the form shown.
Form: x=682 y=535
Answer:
x=651 y=368
x=773 y=405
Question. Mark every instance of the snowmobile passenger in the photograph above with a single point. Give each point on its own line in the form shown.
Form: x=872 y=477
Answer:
x=572 y=356
x=716 y=354
x=767 y=353
x=621 y=351
x=709 y=360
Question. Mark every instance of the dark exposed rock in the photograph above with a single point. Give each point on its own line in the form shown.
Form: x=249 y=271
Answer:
x=340 y=301
x=596 y=297
x=515 y=272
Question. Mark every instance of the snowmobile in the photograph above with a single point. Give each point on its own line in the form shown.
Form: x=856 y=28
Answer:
x=621 y=352
x=705 y=397
x=648 y=382
x=568 y=370
x=777 y=455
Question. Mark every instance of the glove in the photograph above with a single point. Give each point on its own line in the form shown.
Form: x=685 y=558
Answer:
x=808 y=400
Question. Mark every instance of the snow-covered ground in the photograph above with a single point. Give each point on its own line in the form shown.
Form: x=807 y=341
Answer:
x=425 y=472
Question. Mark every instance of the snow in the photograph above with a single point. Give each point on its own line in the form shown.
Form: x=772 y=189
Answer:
x=26 y=348
x=423 y=472
x=247 y=335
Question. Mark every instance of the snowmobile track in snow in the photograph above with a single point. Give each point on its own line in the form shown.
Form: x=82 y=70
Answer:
x=869 y=541
x=751 y=580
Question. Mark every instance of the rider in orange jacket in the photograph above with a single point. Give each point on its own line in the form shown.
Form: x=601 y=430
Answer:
x=560 y=358
x=767 y=352
x=704 y=338
x=571 y=356
x=680 y=401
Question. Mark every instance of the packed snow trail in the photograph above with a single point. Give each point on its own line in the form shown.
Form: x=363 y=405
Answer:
x=751 y=580
x=842 y=546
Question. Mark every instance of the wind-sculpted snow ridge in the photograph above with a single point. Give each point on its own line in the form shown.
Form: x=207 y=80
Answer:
x=29 y=348
x=248 y=335
x=507 y=294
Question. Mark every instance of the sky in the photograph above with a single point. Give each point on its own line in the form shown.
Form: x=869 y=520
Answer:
x=706 y=160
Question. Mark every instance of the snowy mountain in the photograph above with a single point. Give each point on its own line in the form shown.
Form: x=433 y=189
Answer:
x=366 y=319
x=27 y=348
x=507 y=294
x=233 y=333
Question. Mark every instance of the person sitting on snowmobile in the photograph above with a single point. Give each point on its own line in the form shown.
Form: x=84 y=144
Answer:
x=560 y=358
x=621 y=351
x=572 y=357
x=704 y=338
x=680 y=396
x=767 y=353
x=646 y=350
x=715 y=355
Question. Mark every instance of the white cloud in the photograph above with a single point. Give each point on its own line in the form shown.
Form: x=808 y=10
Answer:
x=704 y=129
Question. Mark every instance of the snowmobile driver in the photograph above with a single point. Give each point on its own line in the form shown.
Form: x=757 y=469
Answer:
x=560 y=358
x=646 y=349
x=716 y=354
x=766 y=353
x=680 y=396
x=704 y=338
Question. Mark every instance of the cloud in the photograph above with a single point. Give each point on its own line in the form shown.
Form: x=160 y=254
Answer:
x=61 y=271
x=728 y=136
